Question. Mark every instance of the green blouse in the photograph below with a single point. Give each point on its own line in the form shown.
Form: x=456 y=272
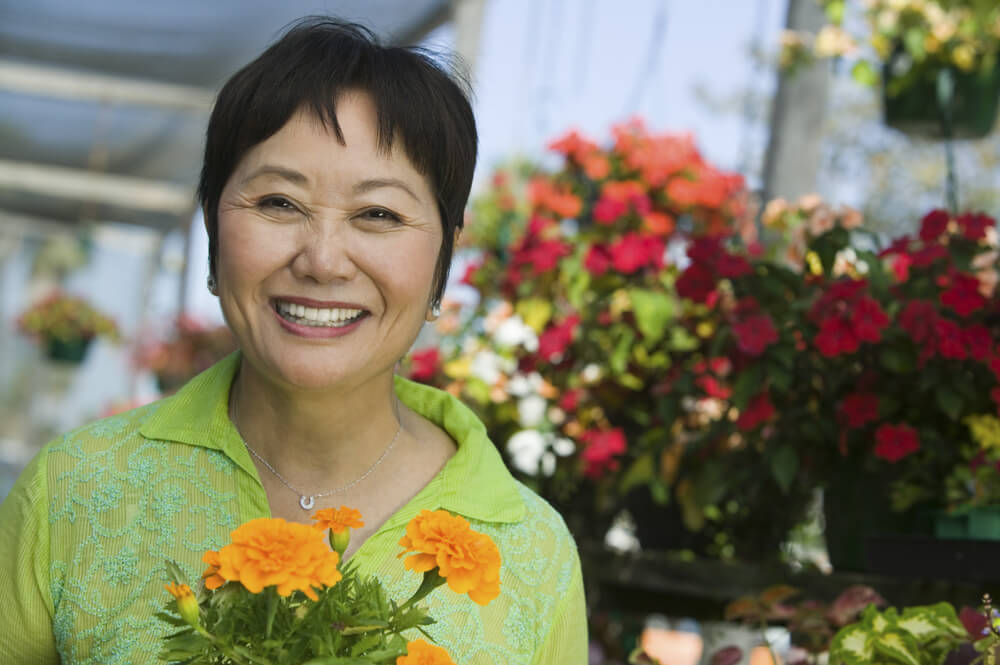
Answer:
x=87 y=527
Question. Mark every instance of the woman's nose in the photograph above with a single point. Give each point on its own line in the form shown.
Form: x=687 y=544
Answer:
x=324 y=253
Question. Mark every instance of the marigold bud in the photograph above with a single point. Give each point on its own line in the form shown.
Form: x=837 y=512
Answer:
x=187 y=604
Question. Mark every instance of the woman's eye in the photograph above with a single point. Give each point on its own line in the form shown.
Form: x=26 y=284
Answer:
x=276 y=204
x=380 y=214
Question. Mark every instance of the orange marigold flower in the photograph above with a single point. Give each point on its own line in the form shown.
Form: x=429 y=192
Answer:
x=272 y=552
x=419 y=652
x=338 y=519
x=212 y=578
x=469 y=561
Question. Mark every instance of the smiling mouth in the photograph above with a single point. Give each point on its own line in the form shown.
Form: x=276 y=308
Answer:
x=333 y=317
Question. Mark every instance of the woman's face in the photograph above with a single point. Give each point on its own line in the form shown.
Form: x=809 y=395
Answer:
x=326 y=252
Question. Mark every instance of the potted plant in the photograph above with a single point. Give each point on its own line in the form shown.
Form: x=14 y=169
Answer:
x=192 y=348
x=66 y=325
x=937 y=60
x=576 y=354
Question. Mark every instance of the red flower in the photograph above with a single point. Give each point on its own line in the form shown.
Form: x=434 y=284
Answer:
x=949 y=338
x=757 y=411
x=901 y=267
x=977 y=339
x=868 y=319
x=470 y=272
x=424 y=364
x=894 y=442
x=963 y=296
x=552 y=343
x=858 y=409
x=633 y=251
x=755 y=333
x=974 y=225
x=836 y=336
x=600 y=451
x=900 y=245
x=918 y=318
x=933 y=225
x=695 y=283
x=607 y=210
x=704 y=250
x=928 y=255
x=730 y=265
x=598 y=260
x=570 y=400
x=545 y=255
x=712 y=387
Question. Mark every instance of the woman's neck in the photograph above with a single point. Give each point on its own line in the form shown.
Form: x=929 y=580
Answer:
x=316 y=441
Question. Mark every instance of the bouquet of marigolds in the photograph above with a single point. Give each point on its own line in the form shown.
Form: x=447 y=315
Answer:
x=278 y=595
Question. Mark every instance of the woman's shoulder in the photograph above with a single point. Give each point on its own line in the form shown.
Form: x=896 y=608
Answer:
x=100 y=435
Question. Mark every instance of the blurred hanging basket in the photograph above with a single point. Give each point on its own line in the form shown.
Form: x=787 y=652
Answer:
x=938 y=102
x=67 y=351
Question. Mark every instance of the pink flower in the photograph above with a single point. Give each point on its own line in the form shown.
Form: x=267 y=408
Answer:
x=552 y=343
x=607 y=210
x=598 y=260
x=755 y=333
x=424 y=364
x=601 y=448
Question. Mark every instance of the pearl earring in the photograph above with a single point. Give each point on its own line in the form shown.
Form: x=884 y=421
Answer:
x=213 y=286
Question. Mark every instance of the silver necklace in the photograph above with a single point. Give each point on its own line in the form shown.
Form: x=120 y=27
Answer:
x=307 y=501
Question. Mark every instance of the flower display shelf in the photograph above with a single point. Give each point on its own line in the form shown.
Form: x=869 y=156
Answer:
x=71 y=352
x=645 y=582
x=911 y=105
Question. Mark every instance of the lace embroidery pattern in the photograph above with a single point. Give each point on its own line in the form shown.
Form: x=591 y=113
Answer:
x=120 y=505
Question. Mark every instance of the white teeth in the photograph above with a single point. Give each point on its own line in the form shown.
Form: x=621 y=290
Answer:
x=313 y=316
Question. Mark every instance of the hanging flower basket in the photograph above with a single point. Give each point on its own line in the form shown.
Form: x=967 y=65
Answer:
x=73 y=351
x=911 y=99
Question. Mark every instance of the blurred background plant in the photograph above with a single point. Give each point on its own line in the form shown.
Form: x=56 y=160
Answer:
x=193 y=347
x=65 y=325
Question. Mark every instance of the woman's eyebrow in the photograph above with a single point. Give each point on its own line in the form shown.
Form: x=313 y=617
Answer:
x=291 y=175
x=377 y=183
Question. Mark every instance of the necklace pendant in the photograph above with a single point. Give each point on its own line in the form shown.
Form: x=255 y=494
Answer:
x=307 y=502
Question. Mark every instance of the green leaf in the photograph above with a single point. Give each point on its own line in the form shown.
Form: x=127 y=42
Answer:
x=682 y=340
x=898 y=359
x=784 y=466
x=619 y=357
x=780 y=377
x=639 y=473
x=943 y=615
x=653 y=310
x=899 y=646
x=835 y=11
x=747 y=385
x=853 y=645
x=949 y=401
x=536 y=312
x=864 y=73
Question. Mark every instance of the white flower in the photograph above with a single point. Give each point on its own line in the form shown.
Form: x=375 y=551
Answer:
x=519 y=386
x=548 y=463
x=526 y=449
x=486 y=366
x=531 y=410
x=563 y=446
x=591 y=373
x=515 y=332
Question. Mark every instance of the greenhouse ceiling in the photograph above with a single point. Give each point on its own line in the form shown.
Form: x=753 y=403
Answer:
x=103 y=103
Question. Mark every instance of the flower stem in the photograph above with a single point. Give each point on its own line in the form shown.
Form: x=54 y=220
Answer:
x=432 y=580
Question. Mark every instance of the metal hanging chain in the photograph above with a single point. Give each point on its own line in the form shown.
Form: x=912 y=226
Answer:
x=307 y=501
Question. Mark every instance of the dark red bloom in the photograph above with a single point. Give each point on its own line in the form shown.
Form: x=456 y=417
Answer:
x=894 y=442
x=705 y=249
x=901 y=267
x=712 y=387
x=598 y=260
x=755 y=333
x=632 y=252
x=859 y=409
x=424 y=364
x=949 y=338
x=933 y=225
x=552 y=343
x=757 y=411
x=918 y=318
x=836 y=336
x=900 y=245
x=978 y=341
x=470 y=272
x=963 y=296
x=570 y=400
x=731 y=265
x=868 y=319
x=974 y=225
x=607 y=210
x=601 y=448
x=545 y=255
x=928 y=255
x=696 y=283
x=836 y=300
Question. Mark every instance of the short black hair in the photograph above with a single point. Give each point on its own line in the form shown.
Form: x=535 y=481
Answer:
x=421 y=99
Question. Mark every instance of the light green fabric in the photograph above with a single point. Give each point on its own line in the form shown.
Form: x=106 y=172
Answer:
x=87 y=527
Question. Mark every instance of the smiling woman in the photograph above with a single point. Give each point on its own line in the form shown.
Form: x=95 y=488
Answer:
x=335 y=179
